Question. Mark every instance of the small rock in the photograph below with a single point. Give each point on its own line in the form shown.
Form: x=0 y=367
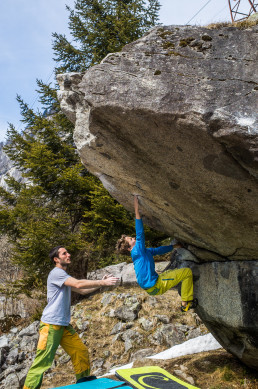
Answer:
x=180 y=373
x=31 y=330
x=116 y=337
x=163 y=318
x=131 y=334
x=128 y=345
x=146 y=323
x=106 y=353
x=29 y=343
x=64 y=359
x=4 y=341
x=190 y=380
x=12 y=357
x=12 y=382
x=129 y=311
x=2 y=357
x=182 y=327
x=8 y=370
x=82 y=324
x=59 y=351
x=193 y=333
x=168 y=334
x=14 y=330
x=140 y=354
x=123 y=296
x=118 y=327
x=108 y=365
x=151 y=300
x=21 y=357
x=198 y=321
x=97 y=363
x=111 y=313
x=22 y=376
x=129 y=337
x=98 y=372
x=77 y=314
x=107 y=298
x=183 y=375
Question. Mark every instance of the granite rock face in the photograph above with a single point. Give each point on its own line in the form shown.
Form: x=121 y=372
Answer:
x=172 y=118
x=227 y=295
x=227 y=292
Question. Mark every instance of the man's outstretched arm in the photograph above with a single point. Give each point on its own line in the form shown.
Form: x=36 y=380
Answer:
x=136 y=207
x=140 y=236
x=88 y=286
x=165 y=249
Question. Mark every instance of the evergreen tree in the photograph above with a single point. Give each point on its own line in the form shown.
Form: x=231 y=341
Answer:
x=60 y=202
x=100 y=27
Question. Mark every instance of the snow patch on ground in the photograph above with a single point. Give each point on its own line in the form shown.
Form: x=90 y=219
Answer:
x=193 y=346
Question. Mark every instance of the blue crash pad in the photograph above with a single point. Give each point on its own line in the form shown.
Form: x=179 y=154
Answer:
x=99 y=383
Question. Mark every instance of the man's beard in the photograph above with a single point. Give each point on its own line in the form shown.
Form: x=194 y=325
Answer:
x=64 y=264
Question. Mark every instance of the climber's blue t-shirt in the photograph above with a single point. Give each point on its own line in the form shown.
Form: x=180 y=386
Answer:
x=143 y=260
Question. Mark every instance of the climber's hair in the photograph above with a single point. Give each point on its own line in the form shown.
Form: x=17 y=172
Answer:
x=54 y=253
x=122 y=246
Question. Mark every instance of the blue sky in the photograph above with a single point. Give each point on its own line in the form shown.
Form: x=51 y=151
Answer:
x=26 y=28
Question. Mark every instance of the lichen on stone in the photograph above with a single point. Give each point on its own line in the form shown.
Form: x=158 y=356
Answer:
x=168 y=45
x=186 y=41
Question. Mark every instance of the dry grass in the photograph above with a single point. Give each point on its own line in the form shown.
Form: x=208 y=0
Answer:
x=242 y=25
x=210 y=370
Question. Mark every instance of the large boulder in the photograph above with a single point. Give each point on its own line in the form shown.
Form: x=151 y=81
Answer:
x=228 y=306
x=172 y=118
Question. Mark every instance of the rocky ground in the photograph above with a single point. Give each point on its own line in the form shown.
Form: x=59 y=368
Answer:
x=121 y=326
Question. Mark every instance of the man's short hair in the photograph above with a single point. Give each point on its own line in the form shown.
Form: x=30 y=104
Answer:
x=122 y=246
x=54 y=253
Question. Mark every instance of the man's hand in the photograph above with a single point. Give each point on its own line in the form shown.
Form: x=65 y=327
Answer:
x=175 y=243
x=109 y=280
x=136 y=207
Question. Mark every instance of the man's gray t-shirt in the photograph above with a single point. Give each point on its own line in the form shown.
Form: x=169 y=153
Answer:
x=57 y=310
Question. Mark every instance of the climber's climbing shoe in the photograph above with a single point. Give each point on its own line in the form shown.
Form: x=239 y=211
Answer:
x=190 y=305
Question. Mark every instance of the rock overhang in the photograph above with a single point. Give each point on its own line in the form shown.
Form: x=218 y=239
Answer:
x=172 y=118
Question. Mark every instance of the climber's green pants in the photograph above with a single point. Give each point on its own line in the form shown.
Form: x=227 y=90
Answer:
x=50 y=337
x=171 y=278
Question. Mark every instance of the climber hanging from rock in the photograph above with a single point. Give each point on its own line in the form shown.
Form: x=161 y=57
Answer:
x=144 y=265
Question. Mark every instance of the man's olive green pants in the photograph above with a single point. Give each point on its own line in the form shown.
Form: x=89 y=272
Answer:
x=171 y=278
x=50 y=337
